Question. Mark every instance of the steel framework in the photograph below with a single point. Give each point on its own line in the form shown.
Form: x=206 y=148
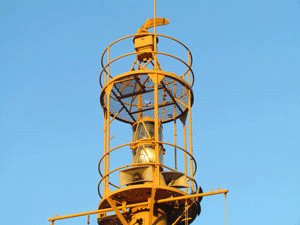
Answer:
x=147 y=98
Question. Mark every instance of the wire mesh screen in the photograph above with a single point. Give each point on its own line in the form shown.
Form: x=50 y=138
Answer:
x=133 y=96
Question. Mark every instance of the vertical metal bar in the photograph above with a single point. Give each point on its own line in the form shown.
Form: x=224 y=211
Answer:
x=105 y=150
x=88 y=220
x=164 y=100
x=139 y=104
x=108 y=137
x=151 y=205
x=156 y=173
x=156 y=138
x=184 y=138
x=156 y=126
x=190 y=126
x=108 y=67
x=225 y=208
x=175 y=129
x=155 y=41
x=185 y=154
x=191 y=139
x=175 y=144
x=106 y=124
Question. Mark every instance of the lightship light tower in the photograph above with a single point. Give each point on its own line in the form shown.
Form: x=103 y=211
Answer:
x=147 y=98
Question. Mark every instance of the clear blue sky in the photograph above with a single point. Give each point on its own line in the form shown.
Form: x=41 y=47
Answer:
x=246 y=114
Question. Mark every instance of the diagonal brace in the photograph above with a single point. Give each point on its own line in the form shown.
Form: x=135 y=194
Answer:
x=171 y=95
x=114 y=207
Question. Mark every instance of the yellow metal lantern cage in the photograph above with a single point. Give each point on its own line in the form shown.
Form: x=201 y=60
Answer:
x=146 y=99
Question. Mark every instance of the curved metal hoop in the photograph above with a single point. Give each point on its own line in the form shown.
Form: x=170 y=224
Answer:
x=187 y=64
x=132 y=73
x=141 y=164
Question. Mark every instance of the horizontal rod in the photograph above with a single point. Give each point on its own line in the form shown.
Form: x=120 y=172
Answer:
x=192 y=196
x=95 y=212
x=139 y=204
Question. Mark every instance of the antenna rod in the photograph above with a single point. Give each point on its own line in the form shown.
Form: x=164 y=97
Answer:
x=154 y=16
x=155 y=40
